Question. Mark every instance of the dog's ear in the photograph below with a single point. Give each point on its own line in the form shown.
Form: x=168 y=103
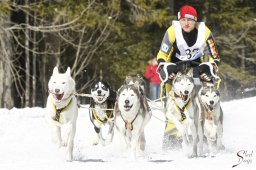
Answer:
x=190 y=73
x=68 y=71
x=204 y=84
x=178 y=74
x=118 y=93
x=139 y=76
x=127 y=79
x=203 y=91
x=55 y=71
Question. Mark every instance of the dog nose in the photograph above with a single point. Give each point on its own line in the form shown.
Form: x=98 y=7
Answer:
x=126 y=101
x=186 y=92
x=57 y=90
x=211 y=102
x=99 y=91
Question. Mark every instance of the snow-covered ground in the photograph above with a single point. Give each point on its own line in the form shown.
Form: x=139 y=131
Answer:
x=25 y=144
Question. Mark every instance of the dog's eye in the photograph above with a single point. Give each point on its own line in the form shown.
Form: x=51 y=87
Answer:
x=206 y=95
x=54 y=82
x=215 y=95
x=104 y=88
x=132 y=94
x=63 y=82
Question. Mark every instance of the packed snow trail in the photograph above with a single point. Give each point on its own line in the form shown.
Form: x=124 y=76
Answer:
x=25 y=143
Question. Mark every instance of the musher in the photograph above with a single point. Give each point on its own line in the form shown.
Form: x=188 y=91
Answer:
x=186 y=40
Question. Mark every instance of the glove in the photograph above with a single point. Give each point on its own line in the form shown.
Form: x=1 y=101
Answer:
x=167 y=71
x=207 y=71
x=204 y=77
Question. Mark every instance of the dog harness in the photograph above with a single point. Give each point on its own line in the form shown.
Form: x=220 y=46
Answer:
x=58 y=111
x=107 y=119
x=128 y=125
x=181 y=110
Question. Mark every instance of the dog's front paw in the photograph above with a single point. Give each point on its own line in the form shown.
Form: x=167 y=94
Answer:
x=221 y=147
x=57 y=142
x=181 y=131
x=69 y=157
x=64 y=143
x=192 y=155
x=108 y=139
x=95 y=141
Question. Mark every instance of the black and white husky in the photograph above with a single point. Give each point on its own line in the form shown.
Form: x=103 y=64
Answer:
x=182 y=110
x=102 y=111
x=131 y=117
x=211 y=120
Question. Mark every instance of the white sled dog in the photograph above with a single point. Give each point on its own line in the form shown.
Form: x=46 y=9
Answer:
x=101 y=112
x=131 y=117
x=62 y=110
x=211 y=120
x=182 y=110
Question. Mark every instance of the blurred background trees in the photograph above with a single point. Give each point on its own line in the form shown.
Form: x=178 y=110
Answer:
x=110 y=39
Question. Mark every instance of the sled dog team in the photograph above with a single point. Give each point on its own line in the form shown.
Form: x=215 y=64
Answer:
x=196 y=115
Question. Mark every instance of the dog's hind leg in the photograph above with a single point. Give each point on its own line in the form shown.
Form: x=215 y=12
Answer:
x=142 y=142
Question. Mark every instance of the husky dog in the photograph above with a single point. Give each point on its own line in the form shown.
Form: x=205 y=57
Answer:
x=183 y=111
x=211 y=118
x=138 y=79
x=62 y=109
x=131 y=117
x=101 y=111
x=139 y=82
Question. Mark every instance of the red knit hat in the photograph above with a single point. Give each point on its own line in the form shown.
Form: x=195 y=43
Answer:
x=187 y=12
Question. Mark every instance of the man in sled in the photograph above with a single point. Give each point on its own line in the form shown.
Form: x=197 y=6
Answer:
x=186 y=40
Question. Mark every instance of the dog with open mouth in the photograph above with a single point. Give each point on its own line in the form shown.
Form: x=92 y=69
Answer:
x=182 y=110
x=211 y=118
x=102 y=111
x=131 y=117
x=62 y=110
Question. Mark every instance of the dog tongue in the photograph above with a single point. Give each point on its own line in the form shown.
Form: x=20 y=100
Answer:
x=185 y=97
x=59 y=96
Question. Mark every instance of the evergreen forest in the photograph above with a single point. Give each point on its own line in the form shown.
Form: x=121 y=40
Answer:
x=110 y=39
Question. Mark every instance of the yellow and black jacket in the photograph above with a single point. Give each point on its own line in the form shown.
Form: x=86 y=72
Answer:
x=169 y=49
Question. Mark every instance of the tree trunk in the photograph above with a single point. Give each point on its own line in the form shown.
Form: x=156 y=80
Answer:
x=49 y=61
x=27 y=62
x=6 y=99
